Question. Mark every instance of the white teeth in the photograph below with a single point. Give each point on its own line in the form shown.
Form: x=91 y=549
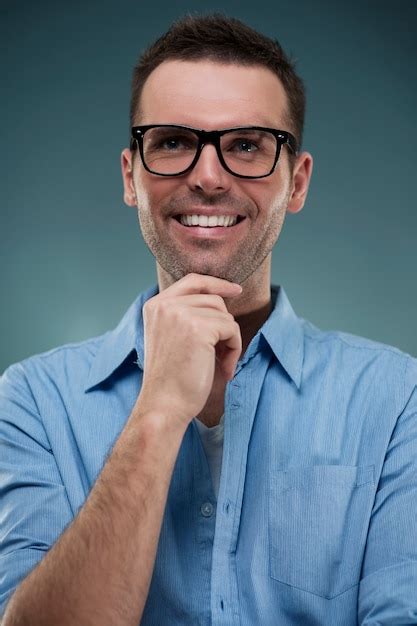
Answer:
x=208 y=221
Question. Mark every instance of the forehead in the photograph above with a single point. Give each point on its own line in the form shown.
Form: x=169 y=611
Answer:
x=209 y=95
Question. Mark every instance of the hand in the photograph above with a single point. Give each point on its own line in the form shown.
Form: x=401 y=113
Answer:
x=188 y=331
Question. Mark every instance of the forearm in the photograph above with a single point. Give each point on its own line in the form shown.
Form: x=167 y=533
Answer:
x=99 y=571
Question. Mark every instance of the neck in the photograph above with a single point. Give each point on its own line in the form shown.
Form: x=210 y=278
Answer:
x=251 y=322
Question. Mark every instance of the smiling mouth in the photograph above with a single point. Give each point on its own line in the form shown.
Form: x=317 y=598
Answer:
x=212 y=221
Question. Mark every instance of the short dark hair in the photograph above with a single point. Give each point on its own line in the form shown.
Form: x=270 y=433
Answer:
x=225 y=40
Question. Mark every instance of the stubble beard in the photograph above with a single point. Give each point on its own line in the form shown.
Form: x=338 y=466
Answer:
x=238 y=267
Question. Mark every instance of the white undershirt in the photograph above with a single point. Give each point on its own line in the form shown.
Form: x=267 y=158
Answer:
x=212 y=440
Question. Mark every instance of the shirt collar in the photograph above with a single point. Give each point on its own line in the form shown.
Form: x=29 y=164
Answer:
x=283 y=331
x=120 y=342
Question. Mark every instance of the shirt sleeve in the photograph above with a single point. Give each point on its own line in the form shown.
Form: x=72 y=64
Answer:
x=388 y=587
x=34 y=508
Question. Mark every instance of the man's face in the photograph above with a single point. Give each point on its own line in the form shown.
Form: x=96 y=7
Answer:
x=212 y=96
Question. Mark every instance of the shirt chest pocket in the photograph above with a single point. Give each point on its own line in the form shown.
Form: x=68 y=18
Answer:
x=318 y=522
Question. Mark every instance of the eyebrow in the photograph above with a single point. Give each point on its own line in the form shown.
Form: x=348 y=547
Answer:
x=260 y=124
x=260 y=121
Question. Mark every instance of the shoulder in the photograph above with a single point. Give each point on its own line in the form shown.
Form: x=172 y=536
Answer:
x=365 y=365
x=343 y=341
x=58 y=366
x=62 y=375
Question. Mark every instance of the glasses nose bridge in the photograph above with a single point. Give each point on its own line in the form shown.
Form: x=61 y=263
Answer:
x=212 y=137
x=209 y=136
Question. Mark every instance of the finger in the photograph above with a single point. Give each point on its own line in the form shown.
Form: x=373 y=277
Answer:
x=204 y=301
x=229 y=348
x=202 y=283
x=229 y=362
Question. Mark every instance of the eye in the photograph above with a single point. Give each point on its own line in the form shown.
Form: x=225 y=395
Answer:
x=170 y=144
x=244 y=145
x=173 y=143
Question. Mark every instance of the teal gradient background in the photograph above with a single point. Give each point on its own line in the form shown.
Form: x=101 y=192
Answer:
x=72 y=256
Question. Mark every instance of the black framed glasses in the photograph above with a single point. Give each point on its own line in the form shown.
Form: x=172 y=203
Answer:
x=247 y=151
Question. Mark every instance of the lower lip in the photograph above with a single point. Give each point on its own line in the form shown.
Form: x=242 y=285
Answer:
x=213 y=232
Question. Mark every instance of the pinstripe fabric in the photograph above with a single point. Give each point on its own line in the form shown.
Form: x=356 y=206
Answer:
x=316 y=517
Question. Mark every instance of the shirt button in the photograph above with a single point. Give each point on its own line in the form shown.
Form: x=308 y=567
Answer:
x=207 y=509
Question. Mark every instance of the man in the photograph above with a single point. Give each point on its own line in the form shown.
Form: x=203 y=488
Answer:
x=113 y=507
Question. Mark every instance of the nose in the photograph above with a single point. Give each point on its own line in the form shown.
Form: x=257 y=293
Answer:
x=208 y=174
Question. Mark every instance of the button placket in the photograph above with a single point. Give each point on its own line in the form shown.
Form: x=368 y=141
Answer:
x=241 y=402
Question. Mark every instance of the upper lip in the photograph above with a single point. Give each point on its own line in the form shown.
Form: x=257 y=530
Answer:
x=208 y=212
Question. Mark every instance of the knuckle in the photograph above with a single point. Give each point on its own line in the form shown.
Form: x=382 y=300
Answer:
x=219 y=301
x=161 y=305
x=151 y=303
x=154 y=307
x=146 y=310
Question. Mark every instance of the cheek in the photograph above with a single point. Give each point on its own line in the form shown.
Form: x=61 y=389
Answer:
x=271 y=205
x=268 y=194
x=154 y=191
x=279 y=193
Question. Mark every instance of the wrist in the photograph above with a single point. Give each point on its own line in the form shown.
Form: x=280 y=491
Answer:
x=159 y=420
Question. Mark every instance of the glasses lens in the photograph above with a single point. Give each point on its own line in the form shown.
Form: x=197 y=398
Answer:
x=169 y=150
x=249 y=152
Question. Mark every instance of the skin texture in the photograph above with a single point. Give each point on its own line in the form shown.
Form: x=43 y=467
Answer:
x=208 y=95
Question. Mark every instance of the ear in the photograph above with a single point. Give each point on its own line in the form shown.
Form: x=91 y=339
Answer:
x=129 y=195
x=303 y=169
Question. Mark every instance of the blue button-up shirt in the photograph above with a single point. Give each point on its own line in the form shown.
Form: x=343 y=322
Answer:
x=316 y=517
